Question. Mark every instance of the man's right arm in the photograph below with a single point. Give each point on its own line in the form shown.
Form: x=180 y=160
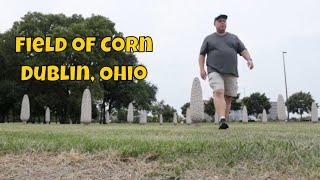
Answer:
x=202 y=56
x=203 y=72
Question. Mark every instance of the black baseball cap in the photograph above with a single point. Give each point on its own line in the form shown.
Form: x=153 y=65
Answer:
x=221 y=16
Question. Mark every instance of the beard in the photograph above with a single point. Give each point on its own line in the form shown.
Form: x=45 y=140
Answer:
x=221 y=30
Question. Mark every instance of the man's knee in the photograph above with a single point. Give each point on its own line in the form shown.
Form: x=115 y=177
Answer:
x=218 y=93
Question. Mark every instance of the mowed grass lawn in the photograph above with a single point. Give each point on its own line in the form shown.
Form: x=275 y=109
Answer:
x=253 y=150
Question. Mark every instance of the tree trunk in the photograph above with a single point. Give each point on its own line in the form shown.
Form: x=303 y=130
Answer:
x=103 y=112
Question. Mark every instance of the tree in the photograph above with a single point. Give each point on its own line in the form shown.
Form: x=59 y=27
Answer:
x=165 y=109
x=299 y=103
x=209 y=107
x=7 y=98
x=184 y=109
x=256 y=102
x=63 y=96
x=236 y=103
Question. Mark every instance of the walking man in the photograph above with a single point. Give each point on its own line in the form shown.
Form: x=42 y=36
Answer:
x=221 y=49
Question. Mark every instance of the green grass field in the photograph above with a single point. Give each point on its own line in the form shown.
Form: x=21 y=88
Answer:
x=254 y=150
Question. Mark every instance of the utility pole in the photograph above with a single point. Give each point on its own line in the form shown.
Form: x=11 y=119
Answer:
x=285 y=81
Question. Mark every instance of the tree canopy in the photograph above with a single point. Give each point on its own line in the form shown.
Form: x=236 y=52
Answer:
x=299 y=103
x=64 y=97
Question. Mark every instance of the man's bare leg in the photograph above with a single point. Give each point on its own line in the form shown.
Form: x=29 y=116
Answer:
x=228 y=100
x=220 y=107
x=219 y=102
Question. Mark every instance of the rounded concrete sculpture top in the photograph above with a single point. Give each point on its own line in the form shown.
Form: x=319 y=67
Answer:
x=161 y=119
x=264 y=116
x=245 y=114
x=196 y=102
x=175 y=118
x=130 y=113
x=25 y=109
x=86 y=107
x=314 y=112
x=281 y=108
x=47 y=116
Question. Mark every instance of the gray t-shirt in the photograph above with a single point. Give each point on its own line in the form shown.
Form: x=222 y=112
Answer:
x=222 y=53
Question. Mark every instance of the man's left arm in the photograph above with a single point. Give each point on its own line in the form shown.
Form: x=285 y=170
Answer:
x=245 y=54
x=242 y=50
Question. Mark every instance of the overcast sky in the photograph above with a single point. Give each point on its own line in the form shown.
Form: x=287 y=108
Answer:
x=178 y=28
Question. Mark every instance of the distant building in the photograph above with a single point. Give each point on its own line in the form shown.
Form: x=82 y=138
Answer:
x=235 y=115
x=273 y=115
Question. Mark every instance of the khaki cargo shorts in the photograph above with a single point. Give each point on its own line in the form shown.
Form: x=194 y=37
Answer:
x=228 y=83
